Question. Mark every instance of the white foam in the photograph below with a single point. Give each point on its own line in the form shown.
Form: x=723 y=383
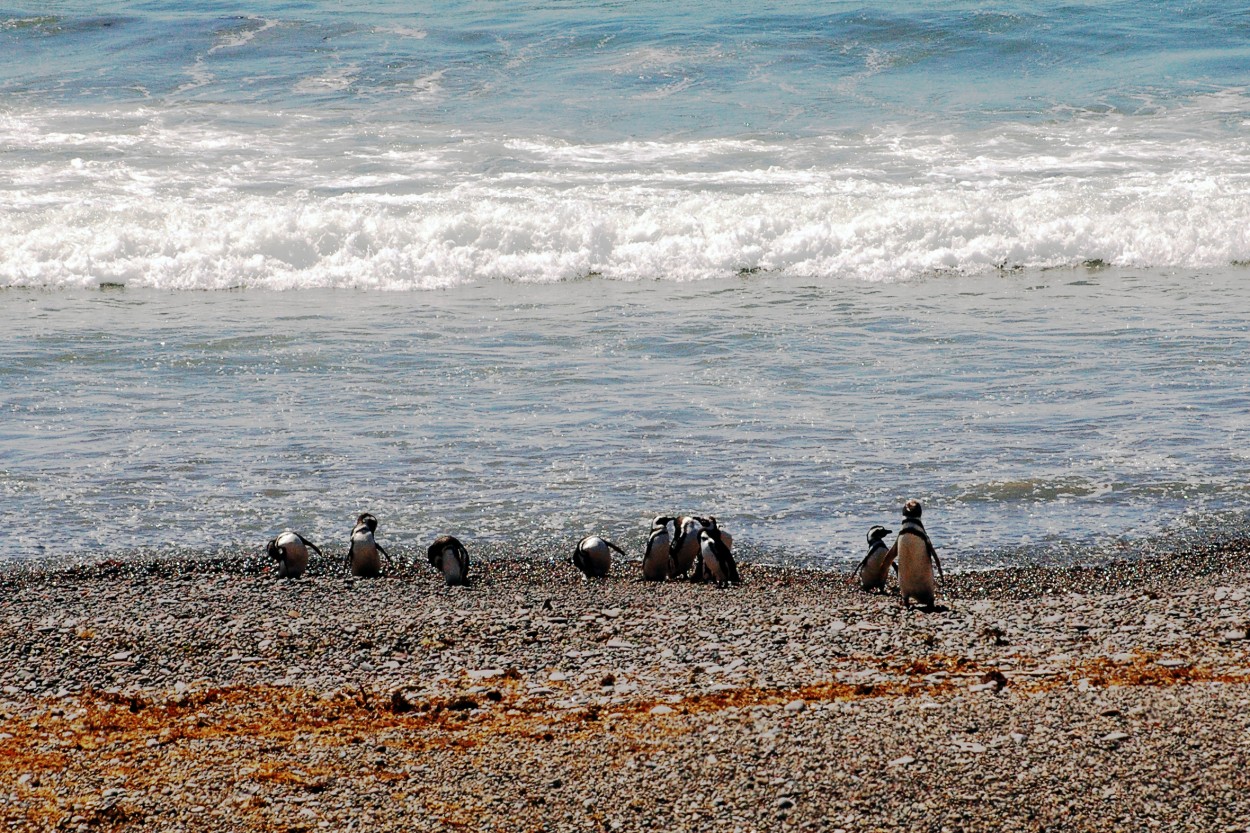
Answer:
x=334 y=80
x=242 y=37
x=143 y=199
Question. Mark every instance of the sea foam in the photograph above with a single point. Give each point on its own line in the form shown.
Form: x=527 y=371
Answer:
x=154 y=199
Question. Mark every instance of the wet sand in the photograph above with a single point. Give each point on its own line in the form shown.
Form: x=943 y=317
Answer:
x=1039 y=699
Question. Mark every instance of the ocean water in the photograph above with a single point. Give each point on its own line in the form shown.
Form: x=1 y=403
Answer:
x=524 y=271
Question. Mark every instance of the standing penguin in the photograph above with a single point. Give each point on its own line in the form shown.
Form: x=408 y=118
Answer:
x=593 y=556
x=290 y=550
x=364 y=553
x=916 y=559
x=717 y=561
x=718 y=535
x=657 y=562
x=875 y=568
x=450 y=557
x=685 y=546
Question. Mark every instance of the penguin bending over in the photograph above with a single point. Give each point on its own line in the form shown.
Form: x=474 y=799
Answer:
x=593 y=556
x=875 y=568
x=657 y=562
x=364 y=554
x=685 y=547
x=717 y=561
x=450 y=557
x=290 y=550
x=916 y=559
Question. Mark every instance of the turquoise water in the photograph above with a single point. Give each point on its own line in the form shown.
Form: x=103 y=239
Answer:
x=526 y=271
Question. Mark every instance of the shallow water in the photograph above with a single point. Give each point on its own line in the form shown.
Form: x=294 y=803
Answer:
x=1034 y=414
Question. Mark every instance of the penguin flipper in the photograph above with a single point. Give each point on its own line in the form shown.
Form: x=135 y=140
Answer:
x=384 y=552
x=938 y=562
x=862 y=564
x=308 y=544
x=615 y=547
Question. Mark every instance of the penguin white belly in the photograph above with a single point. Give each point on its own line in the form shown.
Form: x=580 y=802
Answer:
x=915 y=570
x=366 y=561
x=655 y=563
x=296 y=560
x=712 y=564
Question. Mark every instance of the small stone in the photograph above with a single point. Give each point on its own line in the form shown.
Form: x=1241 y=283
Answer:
x=1115 y=737
x=784 y=803
x=796 y=706
x=903 y=761
x=557 y=676
x=662 y=709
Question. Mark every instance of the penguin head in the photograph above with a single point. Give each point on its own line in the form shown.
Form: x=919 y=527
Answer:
x=368 y=521
x=912 y=510
x=709 y=522
x=877 y=533
x=274 y=551
x=661 y=522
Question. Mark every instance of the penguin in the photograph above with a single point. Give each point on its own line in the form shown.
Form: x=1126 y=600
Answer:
x=718 y=534
x=290 y=550
x=450 y=557
x=593 y=556
x=657 y=562
x=916 y=559
x=717 y=561
x=685 y=547
x=875 y=568
x=363 y=553
x=725 y=538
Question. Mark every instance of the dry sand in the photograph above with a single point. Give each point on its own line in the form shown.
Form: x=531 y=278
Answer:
x=1044 y=699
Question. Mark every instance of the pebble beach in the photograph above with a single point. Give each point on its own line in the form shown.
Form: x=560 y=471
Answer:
x=216 y=697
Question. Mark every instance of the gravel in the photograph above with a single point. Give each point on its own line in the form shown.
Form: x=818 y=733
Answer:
x=1037 y=699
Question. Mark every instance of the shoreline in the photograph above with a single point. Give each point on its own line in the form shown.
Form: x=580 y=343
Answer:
x=1042 y=698
x=1159 y=565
